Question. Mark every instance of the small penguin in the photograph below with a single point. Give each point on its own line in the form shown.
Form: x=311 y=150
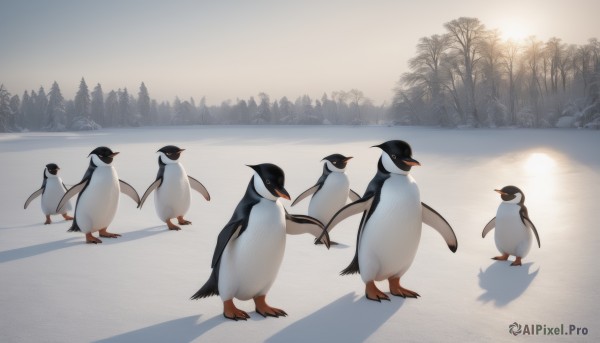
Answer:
x=52 y=191
x=390 y=228
x=513 y=226
x=172 y=185
x=250 y=247
x=330 y=192
x=98 y=198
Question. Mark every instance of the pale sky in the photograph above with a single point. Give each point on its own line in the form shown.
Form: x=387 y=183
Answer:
x=236 y=49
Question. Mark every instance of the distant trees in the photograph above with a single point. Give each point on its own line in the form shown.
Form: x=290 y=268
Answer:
x=469 y=76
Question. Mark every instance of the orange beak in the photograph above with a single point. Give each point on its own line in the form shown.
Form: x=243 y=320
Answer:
x=283 y=194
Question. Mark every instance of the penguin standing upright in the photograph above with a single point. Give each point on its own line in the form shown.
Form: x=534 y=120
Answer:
x=98 y=198
x=172 y=185
x=331 y=191
x=513 y=226
x=390 y=228
x=250 y=247
x=52 y=191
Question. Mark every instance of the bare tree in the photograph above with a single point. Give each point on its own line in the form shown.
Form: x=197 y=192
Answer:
x=466 y=34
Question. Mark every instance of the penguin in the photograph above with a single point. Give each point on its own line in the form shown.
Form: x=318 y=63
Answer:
x=98 y=198
x=330 y=192
x=172 y=185
x=390 y=228
x=250 y=247
x=513 y=226
x=52 y=191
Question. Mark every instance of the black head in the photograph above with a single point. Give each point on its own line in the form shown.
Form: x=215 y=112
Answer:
x=508 y=193
x=52 y=168
x=400 y=153
x=171 y=151
x=104 y=154
x=338 y=160
x=273 y=178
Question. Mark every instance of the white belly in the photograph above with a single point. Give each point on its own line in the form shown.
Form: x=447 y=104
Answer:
x=52 y=194
x=391 y=236
x=250 y=263
x=172 y=198
x=511 y=235
x=98 y=203
x=330 y=198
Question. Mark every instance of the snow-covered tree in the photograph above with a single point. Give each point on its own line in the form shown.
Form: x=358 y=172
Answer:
x=143 y=103
x=97 y=105
x=55 y=111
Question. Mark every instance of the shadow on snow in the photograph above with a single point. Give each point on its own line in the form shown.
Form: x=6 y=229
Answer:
x=503 y=284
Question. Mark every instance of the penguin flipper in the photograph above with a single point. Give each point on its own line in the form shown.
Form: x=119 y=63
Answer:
x=351 y=209
x=150 y=189
x=129 y=191
x=210 y=288
x=353 y=195
x=432 y=218
x=33 y=196
x=530 y=225
x=488 y=227
x=71 y=193
x=199 y=187
x=306 y=193
x=296 y=224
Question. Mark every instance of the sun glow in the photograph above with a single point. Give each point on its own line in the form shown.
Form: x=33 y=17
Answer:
x=539 y=163
x=515 y=32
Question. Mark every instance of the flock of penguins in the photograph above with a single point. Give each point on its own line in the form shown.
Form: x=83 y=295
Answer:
x=250 y=248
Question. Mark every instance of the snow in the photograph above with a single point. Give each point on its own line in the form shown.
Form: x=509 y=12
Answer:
x=55 y=288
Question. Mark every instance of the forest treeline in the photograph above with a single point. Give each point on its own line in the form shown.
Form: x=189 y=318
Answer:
x=468 y=75
x=465 y=76
x=96 y=109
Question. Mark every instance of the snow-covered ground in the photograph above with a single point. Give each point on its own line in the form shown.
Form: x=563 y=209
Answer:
x=55 y=288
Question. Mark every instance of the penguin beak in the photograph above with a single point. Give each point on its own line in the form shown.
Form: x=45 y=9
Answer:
x=411 y=162
x=113 y=154
x=499 y=191
x=181 y=150
x=348 y=159
x=282 y=193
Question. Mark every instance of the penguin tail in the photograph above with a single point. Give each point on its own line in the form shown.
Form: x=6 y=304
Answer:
x=352 y=268
x=210 y=288
x=74 y=227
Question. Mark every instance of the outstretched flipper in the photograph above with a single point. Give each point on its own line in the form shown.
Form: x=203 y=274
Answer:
x=199 y=187
x=488 y=227
x=307 y=192
x=33 y=196
x=530 y=225
x=351 y=209
x=71 y=193
x=436 y=221
x=299 y=224
x=353 y=195
x=150 y=189
x=129 y=191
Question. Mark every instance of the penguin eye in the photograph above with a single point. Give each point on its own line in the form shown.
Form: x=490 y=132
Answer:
x=394 y=156
x=169 y=153
x=335 y=162
x=268 y=182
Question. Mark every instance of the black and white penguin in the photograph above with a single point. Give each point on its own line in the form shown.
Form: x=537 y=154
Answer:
x=172 y=185
x=390 y=229
x=98 y=198
x=331 y=191
x=250 y=247
x=513 y=226
x=52 y=191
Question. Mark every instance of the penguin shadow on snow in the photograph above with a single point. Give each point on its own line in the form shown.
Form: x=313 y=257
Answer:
x=38 y=249
x=346 y=319
x=503 y=284
x=184 y=329
x=134 y=235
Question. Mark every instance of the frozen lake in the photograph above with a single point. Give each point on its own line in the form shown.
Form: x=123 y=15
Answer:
x=55 y=288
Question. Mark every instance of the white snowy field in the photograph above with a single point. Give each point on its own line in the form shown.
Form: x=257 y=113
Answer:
x=56 y=288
